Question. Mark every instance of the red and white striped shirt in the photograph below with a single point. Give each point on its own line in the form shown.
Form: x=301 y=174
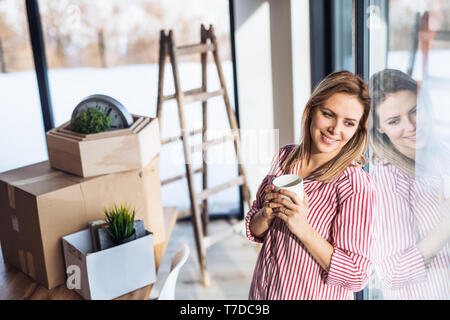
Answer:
x=408 y=211
x=341 y=212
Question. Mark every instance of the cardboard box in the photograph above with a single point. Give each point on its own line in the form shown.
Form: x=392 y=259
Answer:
x=109 y=273
x=105 y=152
x=39 y=205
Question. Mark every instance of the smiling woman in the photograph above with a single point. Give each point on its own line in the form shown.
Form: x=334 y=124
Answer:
x=397 y=116
x=411 y=247
x=335 y=123
x=394 y=100
x=318 y=248
x=335 y=127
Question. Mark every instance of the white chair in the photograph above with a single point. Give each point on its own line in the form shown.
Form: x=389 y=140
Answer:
x=178 y=260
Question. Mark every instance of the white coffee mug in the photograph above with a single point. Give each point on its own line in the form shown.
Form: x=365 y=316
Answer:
x=291 y=182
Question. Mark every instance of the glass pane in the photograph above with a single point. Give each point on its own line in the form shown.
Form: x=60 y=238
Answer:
x=410 y=135
x=112 y=47
x=343 y=35
x=22 y=137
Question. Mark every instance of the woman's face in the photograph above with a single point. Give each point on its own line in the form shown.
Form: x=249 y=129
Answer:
x=397 y=119
x=335 y=122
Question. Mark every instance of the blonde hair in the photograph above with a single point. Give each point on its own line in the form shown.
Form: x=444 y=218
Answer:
x=337 y=82
x=382 y=85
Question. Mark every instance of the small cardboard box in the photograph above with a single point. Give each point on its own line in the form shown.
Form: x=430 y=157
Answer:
x=40 y=205
x=110 y=273
x=88 y=155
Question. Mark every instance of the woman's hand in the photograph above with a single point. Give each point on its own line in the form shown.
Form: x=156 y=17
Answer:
x=269 y=205
x=262 y=221
x=445 y=213
x=432 y=244
x=294 y=213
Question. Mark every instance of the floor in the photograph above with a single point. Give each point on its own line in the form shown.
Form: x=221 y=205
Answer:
x=230 y=265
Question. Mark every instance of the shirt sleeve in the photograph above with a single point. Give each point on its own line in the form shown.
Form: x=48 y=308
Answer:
x=353 y=237
x=257 y=205
x=401 y=269
x=259 y=202
x=397 y=260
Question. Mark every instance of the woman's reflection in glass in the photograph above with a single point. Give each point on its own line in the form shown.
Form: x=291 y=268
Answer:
x=411 y=251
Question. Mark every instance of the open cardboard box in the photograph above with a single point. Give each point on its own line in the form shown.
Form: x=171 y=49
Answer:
x=88 y=155
x=109 y=273
x=40 y=205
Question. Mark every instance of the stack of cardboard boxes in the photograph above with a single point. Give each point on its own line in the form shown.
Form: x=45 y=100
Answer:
x=43 y=202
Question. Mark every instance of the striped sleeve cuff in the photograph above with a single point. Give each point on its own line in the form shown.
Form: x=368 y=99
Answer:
x=346 y=272
x=249 y=217
x=404 y=269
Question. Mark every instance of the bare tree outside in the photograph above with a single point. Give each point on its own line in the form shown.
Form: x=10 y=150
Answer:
x=15 y=48
x=402 y=18
x=106 y=33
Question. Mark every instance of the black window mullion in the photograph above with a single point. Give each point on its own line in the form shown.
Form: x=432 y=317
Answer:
x=321 y=40
x=40 y=62
x=241 y=213
x=361 y=14
x=362 y=38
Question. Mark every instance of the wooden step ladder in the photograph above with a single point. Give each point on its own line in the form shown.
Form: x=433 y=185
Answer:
x=200 y=222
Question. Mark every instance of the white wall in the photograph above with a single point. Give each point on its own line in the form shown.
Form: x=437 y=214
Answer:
x=282 y=80
x=254 y=79
x=301 y=62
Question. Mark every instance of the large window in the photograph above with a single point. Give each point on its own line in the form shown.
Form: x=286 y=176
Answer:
x=343 y=35
x=112 y=47
x=22 y=139
x=410 y=134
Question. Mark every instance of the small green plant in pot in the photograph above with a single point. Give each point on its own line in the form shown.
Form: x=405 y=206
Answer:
x=92 y=120
x=120 y=220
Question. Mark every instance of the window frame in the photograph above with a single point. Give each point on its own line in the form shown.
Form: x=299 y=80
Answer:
x=41 y=69
x=40 y=62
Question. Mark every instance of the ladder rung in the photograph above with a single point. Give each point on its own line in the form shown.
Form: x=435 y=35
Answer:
x=214 y=142
x=194 y=48
x=175 y=138
x=186 y=93
x=206 y=193
x=202 y=96
x=187 y=212
x=181 y=176
x=195 y=95
x=442 y=35
x=212 y=239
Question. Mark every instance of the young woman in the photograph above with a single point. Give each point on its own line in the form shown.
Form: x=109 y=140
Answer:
x=412 y=228
x=318 y=248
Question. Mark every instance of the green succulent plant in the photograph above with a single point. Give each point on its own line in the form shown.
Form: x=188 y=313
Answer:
x=120 y=220
x=92 y=120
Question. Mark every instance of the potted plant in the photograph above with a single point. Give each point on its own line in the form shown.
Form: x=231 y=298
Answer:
x=118 y=267
x=92 y=120
x=80 y=146
x=120 y=223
